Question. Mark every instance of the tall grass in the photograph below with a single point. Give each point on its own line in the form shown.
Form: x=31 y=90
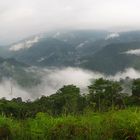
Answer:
x=112 y=125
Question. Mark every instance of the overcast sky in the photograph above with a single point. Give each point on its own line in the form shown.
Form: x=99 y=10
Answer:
x=22 y=18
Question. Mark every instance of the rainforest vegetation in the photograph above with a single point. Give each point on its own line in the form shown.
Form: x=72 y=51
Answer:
x=104 y=112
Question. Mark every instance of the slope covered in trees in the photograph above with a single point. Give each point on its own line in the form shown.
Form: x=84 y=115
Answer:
x=89 y=49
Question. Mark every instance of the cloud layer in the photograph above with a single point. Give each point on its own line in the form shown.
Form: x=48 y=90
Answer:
x=24 y=45
x=22 y=18
x=133 y=52
x=53 y=79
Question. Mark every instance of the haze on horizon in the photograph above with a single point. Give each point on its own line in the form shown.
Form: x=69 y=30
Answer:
x=22 y=18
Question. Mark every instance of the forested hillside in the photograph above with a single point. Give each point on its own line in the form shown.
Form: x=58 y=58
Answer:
x=89 y=49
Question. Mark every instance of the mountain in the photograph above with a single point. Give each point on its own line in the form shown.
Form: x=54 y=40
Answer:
x=57 y=49
x=4 y=51
x=115 y=58
x=102 y=51
x=19 y=72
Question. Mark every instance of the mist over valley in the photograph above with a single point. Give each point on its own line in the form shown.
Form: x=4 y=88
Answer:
x=41 y=64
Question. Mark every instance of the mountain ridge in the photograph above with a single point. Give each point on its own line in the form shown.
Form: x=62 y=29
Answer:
x=93 y=50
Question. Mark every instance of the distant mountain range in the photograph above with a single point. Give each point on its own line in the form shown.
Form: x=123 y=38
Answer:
x=102 y=51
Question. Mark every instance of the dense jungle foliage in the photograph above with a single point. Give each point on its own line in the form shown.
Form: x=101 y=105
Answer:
x=105 y=112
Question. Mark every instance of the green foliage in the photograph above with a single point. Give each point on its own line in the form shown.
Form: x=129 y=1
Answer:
x=69 y=115
x=104 y=93
x=112 y=125
x=136 y=88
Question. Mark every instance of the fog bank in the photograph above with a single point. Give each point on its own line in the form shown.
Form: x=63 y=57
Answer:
x=53 y=79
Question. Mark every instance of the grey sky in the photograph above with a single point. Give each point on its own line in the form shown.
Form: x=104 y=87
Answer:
x=22 y=18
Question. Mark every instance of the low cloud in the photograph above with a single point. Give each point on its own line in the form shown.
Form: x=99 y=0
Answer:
x=53 y=79
x=25 y=45
x=9 y=90
x=133 y=52
x=129 y=72
x=112 y=35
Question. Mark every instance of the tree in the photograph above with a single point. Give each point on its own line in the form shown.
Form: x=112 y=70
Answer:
x=97 y=91
x=136 y=88
x=105 y=91
x=65 y=100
